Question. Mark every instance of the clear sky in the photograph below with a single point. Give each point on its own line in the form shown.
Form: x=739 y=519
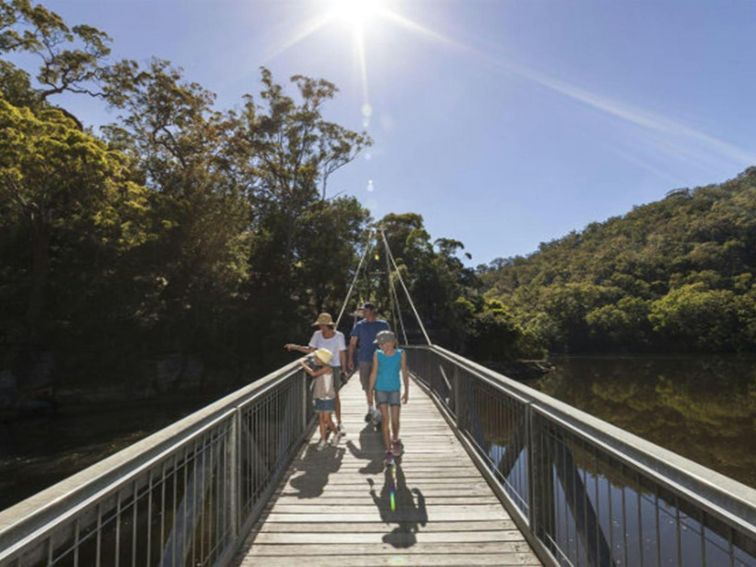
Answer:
x=504 y=123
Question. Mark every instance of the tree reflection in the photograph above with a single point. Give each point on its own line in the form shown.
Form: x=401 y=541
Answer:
x=700 y=407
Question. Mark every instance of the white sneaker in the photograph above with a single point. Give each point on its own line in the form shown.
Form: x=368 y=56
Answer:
x=335 y=438
x=321 y=445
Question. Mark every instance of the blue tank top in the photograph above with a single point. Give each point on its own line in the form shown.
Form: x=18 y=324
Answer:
x=389 y=367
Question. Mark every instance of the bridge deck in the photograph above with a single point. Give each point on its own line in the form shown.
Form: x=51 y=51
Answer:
x=334 y=505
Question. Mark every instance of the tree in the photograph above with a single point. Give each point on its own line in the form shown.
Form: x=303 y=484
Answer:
x=708 y=319
x=180 y=146
x=72 y=57
x=55 y=178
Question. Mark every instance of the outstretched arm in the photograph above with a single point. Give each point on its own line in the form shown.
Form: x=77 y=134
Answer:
x=300 y=348
x=314 y=373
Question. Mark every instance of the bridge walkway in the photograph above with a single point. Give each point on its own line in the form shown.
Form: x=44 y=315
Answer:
x=334 y=505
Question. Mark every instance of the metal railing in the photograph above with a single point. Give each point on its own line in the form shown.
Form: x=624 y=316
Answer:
x=185 y=496
x=583 y=491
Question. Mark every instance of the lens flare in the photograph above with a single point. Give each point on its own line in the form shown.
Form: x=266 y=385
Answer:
x=392 y=487
x=355 y=12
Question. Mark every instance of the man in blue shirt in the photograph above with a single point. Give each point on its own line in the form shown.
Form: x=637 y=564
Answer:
x=362 y=339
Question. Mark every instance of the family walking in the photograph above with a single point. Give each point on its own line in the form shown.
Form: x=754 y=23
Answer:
x=382 y=368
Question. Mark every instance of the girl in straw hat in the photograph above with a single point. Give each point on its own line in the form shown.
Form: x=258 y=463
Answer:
x=324 y=392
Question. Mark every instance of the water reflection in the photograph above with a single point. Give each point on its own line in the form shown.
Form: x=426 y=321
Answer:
x=36 y=453
x=703 y=408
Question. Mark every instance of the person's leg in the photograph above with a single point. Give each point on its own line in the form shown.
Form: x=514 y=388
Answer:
x=338 y=408
x=330 y=426
x=322 y=426
x=365 y=368
x=385 y=426
x=395 y=422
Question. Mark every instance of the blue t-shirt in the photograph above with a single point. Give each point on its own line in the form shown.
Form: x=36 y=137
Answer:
x=365 y=331
x=389 y=368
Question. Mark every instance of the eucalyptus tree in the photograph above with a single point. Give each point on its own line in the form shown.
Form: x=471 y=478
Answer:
x=286 y=151
x=180 y=144
x=56 y=180
x=72 y=58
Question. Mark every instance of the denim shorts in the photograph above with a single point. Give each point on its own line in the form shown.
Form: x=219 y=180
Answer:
x=391 y=398
x=325 y=405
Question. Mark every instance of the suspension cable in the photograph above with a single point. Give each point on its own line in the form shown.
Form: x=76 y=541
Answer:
x=368 y=248
x=396 y=311
x=406 y=291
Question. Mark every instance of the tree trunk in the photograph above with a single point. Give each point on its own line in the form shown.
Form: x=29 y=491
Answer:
x=40 y=242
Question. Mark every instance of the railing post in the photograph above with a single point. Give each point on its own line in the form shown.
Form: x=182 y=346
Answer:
x=304 y=400
x=540 y=487
x=456 y=383
x=234 y=442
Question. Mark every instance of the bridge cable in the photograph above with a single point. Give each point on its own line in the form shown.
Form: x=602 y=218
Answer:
x=368 y=248
x=396 y=311
x=406 y=291
x=399 y=312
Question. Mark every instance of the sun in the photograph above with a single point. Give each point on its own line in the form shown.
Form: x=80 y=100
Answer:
x=355 y=12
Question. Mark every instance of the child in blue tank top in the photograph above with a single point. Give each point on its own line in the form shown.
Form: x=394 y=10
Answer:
x=388 y=363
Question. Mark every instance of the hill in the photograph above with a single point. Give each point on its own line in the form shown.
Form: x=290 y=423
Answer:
x=674 y=274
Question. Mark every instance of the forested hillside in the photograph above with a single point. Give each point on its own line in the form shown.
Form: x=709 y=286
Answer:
x=675 y=274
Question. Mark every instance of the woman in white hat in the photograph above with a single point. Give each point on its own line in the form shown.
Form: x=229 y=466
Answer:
x=328 y=337
x=324 y=393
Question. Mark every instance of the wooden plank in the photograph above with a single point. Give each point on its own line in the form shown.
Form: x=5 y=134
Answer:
x=428 y=490
x=372 y=517
x=494 y=509
x=336 y=549
x=367 y=527
x=328 y=537
x=501 y=559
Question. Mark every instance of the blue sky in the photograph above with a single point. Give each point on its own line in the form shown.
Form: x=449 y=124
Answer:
x=504 y=123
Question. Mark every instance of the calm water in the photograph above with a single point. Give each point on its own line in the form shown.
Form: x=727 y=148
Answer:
x=702 y=407
x=36 y=453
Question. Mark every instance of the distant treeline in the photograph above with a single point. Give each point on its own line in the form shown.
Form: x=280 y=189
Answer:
x=677 y=274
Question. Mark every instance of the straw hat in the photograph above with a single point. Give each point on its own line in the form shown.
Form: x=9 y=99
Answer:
x=323 y=355
x=324 y=319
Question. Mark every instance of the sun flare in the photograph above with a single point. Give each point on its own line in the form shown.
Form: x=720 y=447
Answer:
x=355 y=12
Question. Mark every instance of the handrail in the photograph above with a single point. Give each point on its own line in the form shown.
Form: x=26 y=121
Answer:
x=720 y=489
x=212 y=445
x=566 y=450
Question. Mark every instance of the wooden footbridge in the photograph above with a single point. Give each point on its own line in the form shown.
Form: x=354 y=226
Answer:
x=494 y=473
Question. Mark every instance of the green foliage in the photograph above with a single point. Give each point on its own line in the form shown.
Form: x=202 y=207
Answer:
x=186 y=230
x=672 y=274
x=59 y=185
x=710 y=319
x=446 y=293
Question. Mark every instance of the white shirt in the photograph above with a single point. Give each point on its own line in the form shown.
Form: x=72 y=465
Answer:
x=335 y=344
